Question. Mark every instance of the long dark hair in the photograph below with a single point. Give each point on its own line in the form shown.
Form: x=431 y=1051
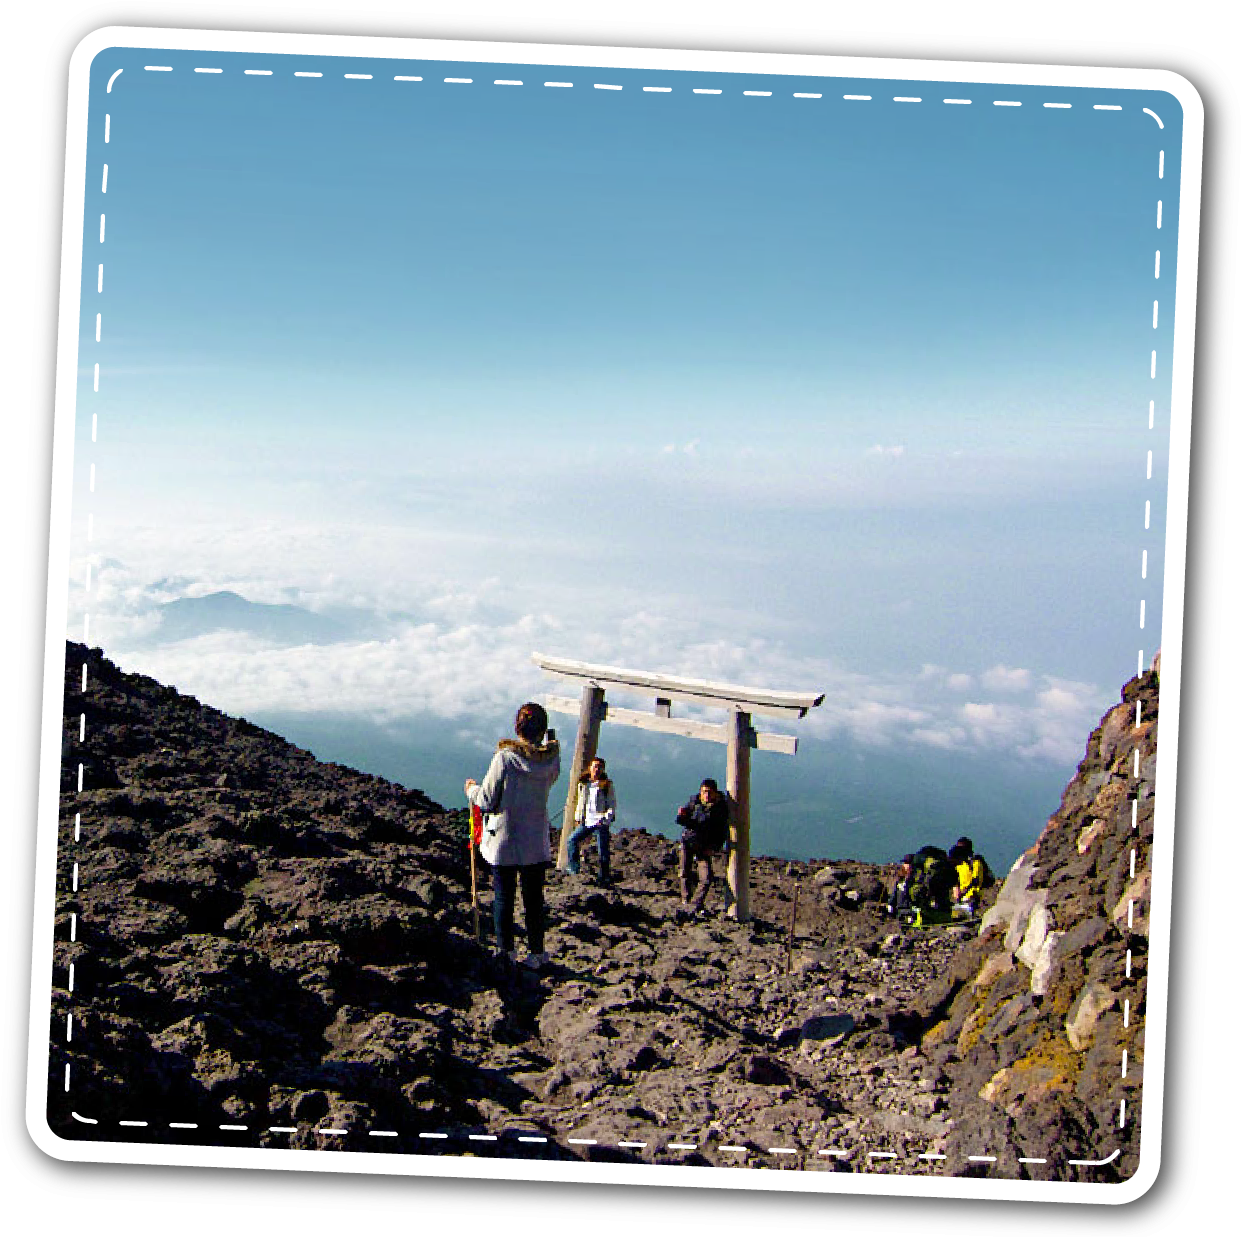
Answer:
x=531 y=722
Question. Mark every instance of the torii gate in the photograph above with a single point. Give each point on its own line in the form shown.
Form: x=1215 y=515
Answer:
x=735 y=732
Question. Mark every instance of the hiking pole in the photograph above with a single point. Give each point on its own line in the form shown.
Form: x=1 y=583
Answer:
x=788 y=953
x=475 y=818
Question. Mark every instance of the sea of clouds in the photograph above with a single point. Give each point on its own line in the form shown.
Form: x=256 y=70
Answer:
x=418 y=637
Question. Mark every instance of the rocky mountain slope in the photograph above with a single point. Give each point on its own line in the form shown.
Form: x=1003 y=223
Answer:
x=255 y=947
x=1040 y=1022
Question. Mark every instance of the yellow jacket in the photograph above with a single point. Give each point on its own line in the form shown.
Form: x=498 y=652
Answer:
x=969 y=879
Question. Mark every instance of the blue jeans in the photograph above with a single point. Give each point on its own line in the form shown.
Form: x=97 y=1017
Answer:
x=604 y=840
x=503 y=904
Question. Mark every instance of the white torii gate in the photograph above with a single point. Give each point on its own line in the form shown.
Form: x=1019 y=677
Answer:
x=735 y=732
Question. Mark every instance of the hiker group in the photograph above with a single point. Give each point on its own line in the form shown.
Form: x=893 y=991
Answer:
x=936 y=886
x=704 y=831
x=512 y=831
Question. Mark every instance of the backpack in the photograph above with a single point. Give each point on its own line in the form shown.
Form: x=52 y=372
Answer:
x=934 y=877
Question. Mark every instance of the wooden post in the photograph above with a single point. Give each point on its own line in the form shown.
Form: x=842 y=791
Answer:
x=589 y=719
x=738 y=784
x=478 y=935
x=788 y=953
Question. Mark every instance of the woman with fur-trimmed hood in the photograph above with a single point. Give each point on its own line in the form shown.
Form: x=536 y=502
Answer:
x=516 y=841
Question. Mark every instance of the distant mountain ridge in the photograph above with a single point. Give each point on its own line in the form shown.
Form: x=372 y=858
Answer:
x=187 y=617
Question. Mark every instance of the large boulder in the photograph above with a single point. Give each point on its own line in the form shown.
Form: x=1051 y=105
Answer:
x=1014 y=899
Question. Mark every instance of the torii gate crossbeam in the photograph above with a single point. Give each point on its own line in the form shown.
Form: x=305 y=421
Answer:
x=736 y=733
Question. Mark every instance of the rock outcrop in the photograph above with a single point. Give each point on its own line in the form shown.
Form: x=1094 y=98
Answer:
x=1040 y=1023
x=256 y=946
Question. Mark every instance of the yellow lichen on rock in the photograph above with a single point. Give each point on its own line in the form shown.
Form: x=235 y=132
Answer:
x=1046 y=1071
x=971 y=1030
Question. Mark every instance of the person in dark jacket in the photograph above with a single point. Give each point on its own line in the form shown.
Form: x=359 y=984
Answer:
x=704 y=830
x=900 y=899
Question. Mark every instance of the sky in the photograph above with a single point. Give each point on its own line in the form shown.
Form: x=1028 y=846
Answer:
x=835 y=395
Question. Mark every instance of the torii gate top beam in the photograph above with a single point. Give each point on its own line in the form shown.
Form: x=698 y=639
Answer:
x=671 y=687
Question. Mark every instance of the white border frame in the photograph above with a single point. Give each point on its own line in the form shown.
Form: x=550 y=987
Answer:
x=612 y=57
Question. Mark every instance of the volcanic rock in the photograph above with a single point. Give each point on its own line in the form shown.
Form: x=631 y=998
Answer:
x=256 y=942
x=1040 y=1024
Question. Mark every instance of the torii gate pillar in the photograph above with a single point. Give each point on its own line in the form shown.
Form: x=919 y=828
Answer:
x=589 y=719
x=737 y=783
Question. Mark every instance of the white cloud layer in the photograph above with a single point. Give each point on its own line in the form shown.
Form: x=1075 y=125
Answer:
x=1007 y=679
x=459 y=648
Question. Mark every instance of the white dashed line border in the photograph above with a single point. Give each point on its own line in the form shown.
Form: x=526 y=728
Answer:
x=660 y=89
x=533 y=1138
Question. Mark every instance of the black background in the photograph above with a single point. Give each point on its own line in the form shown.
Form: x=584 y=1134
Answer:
x=1199 y=1031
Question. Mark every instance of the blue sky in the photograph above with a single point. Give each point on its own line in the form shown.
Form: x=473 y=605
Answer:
x=689 y=254
x=774 y=386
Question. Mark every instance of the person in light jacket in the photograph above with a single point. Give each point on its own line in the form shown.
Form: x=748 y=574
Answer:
x=595 y=813
x=516 y=842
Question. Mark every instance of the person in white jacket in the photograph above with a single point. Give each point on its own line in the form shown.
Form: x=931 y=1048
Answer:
x=516 y=833
x=595 y=813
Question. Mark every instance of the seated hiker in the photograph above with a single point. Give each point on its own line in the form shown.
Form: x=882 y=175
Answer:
x=594 y=814
x=933 y=877
x=900 y=899
x=704 y=830
x=971 y=873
